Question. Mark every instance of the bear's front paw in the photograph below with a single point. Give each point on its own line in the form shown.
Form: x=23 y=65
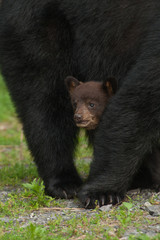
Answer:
x=91 y=199
x=58 y=188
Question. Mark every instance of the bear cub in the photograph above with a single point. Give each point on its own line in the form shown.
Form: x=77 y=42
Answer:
x=89 y=100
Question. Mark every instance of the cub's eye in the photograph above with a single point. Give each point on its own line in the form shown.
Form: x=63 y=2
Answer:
x=91 y=105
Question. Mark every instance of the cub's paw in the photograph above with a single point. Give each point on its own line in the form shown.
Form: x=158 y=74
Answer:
x=58 y=188
x=91 y=199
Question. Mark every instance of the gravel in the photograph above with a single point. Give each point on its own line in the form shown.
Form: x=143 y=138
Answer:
x=140 y=201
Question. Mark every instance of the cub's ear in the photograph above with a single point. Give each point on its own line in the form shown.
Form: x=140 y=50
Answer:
x=110 y=85
x=71 y=83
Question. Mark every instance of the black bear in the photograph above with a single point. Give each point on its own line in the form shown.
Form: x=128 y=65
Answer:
x=44 y=41
x=89 y=100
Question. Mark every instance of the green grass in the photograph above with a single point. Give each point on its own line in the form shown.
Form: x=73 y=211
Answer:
x=10 y=128
x=7 y=112
x=19 y=174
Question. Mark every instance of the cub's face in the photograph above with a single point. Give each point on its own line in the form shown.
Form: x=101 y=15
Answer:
x=88 y=100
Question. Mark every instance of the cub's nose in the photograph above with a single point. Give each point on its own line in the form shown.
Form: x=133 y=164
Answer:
x=77 y=117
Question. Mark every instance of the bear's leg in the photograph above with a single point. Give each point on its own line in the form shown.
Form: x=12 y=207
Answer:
x=128 y=131
x=51 y=135
x=142 y=178
x=153 y=164
x=53 y=149
x=148 y=175
x=35 y=59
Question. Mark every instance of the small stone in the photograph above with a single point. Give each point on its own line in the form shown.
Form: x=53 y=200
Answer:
x=32 y=215
x=147 y=204
x=153 y=210
x=111 y=234
x=106 y=208
x=134 y=191
x=5 y=219
x=131 y=231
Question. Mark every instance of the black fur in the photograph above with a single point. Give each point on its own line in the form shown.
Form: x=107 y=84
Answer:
x=44 y=41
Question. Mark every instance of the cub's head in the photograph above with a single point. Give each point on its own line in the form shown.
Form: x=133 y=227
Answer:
x=89 y=100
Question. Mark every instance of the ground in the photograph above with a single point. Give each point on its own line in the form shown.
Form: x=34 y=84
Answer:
x=26 y=213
